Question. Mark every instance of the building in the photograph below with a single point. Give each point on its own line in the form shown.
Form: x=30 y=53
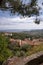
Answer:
x=26 y=41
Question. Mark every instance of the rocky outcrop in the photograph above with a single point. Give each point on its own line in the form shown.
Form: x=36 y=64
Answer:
x=38 y=58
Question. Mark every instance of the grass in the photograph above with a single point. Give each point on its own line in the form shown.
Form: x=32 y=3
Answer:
x=35 y=49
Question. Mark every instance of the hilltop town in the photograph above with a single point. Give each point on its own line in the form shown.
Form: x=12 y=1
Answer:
x=26 y=40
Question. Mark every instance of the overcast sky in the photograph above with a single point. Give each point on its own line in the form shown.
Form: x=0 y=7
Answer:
x=15 y=22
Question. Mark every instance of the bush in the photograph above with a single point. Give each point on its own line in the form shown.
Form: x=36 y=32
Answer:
x=26 y=47
x=4 y=51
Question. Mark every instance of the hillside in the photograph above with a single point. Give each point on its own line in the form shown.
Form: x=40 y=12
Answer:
x=34 y=32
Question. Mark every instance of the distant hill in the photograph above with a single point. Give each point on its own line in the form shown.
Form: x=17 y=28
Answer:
x=31 y=32
x=34 y=32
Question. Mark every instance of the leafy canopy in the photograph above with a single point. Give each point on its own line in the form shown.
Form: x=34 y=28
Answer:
x=17 y=6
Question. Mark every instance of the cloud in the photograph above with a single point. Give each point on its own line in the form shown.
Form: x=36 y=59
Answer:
x=19 y=23
x=12 y=21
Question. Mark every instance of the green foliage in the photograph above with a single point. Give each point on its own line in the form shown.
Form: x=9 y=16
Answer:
x=17 y=6
x=31 y=35
x=26 y=47
x=8 y=50
x=5 y=54
x=4 y=51
x=21 y=36
x=18 y=36
x=20 y=53
x=20 y=50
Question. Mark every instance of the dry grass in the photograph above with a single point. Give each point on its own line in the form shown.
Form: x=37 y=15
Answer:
x=35 y=49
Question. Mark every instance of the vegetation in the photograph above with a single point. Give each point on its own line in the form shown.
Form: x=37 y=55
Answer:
x=31 y=35
x=20 y=50
x=4 y=51
x=8 y=50
x=35 y=49
x=18 y=7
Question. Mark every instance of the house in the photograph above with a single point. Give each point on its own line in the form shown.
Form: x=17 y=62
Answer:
x=26 y=41
x=13 y=41
x=8 y=34
x=37 y=41
x=20 y=42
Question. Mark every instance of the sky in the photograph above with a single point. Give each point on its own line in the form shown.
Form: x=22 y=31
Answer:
x=7 y=21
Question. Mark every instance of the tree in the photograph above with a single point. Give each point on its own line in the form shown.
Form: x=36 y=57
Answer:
x=17 y=6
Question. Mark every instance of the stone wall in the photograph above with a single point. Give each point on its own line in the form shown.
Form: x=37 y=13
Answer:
x=34 y=59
